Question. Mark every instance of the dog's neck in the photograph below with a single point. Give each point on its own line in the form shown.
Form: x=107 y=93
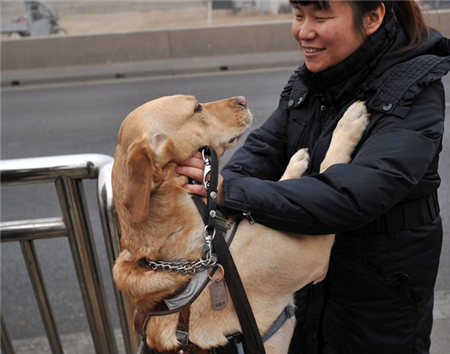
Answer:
x=172 y=232
x=173 y=223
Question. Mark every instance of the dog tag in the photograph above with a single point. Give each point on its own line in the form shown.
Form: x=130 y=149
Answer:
x=218 y=291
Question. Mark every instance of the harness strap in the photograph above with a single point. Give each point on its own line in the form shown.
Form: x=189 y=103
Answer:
x=252 y=337
x=140 y=322
x=235 y=343
x=189 y=349
x=182 y=332
x=203 y=210
x=141 y=318
x=287 y=313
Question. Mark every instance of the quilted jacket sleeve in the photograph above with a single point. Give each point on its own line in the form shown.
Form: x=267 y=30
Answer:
x=395 y=159
x=264 y=153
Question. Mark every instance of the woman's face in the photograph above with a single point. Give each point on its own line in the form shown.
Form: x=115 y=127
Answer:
x=326 y=37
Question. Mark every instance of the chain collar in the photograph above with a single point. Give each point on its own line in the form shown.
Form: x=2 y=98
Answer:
x=207 y=260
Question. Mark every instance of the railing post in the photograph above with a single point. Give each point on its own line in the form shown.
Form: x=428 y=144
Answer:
x=75 y=214
x=112 y=243
x=7 y=347
x=34 y=270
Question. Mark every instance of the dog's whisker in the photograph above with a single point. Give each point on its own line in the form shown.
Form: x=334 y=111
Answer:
x=256 y=113
x=190 y=87
x=248 y=125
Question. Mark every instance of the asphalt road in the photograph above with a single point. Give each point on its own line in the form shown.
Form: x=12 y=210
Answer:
x=84 y=118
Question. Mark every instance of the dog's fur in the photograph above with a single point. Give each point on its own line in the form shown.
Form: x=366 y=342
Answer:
x=159 y=220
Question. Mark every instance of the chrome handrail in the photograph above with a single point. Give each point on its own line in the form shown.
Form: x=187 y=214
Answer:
x=68 y=172
x=49 y=169
x=111 y=234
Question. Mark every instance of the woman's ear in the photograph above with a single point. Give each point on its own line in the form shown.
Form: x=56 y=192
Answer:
x=374 y=19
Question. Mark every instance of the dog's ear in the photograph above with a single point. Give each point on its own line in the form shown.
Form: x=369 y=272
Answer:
x=143 y=174
x=138 y=182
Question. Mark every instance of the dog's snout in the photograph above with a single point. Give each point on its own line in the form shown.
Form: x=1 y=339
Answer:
x=241 y=100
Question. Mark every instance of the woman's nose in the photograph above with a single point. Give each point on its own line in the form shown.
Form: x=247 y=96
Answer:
x=306 y=31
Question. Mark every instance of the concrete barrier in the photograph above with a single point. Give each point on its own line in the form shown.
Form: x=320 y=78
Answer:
x=165 y=51
x=149 y=45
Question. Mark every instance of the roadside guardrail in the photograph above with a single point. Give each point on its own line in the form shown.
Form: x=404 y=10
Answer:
x=67 y=173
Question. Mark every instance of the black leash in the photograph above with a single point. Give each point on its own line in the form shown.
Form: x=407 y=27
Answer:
x=252 y=337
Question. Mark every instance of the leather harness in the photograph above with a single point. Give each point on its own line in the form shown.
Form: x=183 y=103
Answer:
x=249 y=341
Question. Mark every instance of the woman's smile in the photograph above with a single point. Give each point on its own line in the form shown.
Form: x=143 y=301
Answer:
x=309 y=50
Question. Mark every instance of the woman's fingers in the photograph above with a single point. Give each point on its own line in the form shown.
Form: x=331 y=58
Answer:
x=198 y=189
x=195 y=160
x=193 y=167
x=192 y=172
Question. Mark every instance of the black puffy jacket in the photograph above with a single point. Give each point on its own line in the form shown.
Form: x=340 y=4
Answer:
x=382 y=206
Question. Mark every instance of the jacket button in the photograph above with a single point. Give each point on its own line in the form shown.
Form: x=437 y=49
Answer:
x=403 y=278
x=291 y=103
x=322 y=107
x=387 y=107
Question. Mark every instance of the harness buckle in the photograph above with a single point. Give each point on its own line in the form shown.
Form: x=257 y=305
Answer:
x=182 y=335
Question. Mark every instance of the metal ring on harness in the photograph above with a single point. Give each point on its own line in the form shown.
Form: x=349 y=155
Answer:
x=219 y=279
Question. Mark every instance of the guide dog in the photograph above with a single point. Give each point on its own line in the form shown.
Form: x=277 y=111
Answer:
x=159 y=221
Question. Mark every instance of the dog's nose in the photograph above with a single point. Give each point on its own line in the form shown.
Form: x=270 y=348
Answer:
x=241 y=100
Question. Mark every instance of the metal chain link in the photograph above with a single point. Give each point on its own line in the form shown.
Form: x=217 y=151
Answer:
x=207 y=260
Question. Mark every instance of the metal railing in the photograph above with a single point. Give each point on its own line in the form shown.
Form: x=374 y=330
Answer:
x=67 y=173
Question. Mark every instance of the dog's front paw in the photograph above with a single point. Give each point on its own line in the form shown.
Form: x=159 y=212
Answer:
x=347 y=135
x=353 y=124
x=297 y=165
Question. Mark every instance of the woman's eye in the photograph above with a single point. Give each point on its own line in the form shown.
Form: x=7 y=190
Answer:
x=198 y=109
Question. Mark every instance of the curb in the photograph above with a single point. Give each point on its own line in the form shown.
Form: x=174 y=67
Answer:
x=150 y=68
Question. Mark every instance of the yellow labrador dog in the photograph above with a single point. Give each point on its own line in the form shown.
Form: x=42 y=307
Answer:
x=159 y=221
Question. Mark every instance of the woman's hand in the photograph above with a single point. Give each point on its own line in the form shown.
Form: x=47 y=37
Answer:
x=193 y=167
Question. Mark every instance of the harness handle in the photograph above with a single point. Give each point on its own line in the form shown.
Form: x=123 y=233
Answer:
x=242 y=306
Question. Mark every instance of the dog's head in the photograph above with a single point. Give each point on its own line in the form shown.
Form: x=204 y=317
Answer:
x=165 y=130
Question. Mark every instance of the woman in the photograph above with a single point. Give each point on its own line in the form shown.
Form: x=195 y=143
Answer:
x=378 y=294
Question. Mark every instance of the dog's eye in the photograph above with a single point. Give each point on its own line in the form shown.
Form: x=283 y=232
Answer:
x=198 y=109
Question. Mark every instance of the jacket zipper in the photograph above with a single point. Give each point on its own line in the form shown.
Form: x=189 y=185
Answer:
x=248 y=216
